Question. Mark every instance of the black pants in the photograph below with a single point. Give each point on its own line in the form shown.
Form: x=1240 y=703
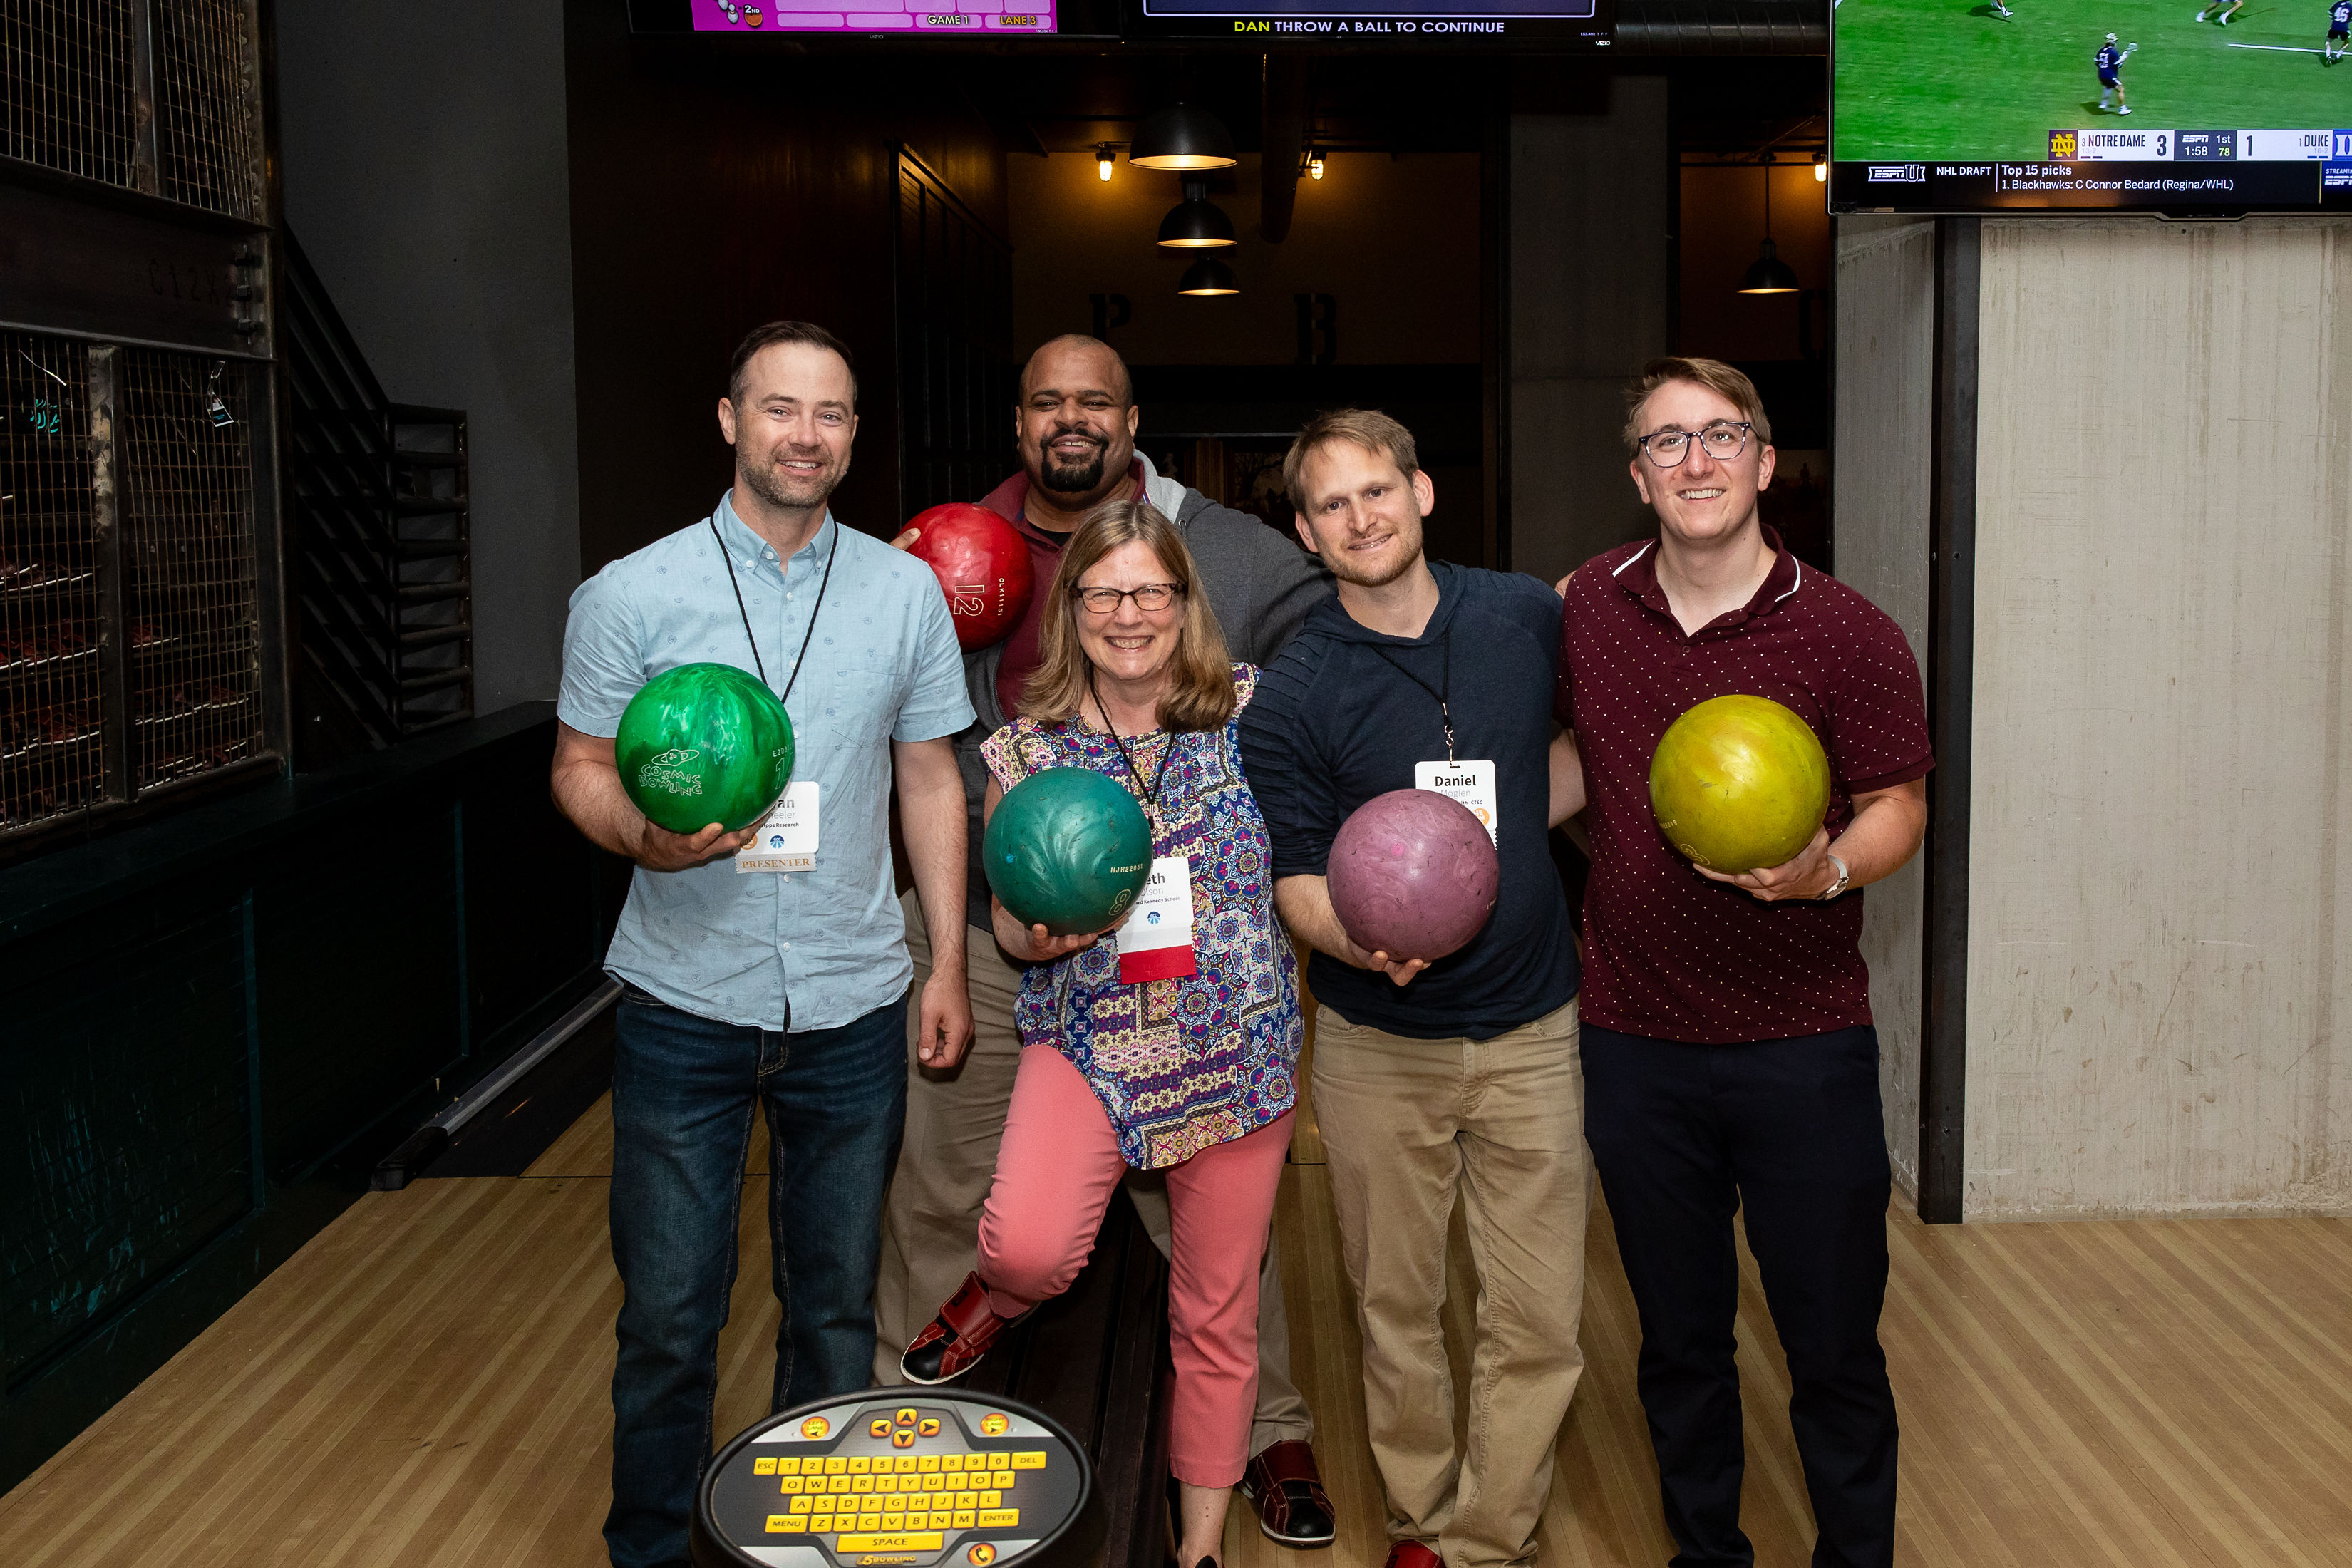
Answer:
x=1683 y=1136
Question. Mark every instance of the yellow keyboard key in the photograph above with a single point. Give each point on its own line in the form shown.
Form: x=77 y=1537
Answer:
x=894 y=1521
x=778 y=1524
x=967 y=1500
x=906 y=1464
x=800 y=1505
x=903 y=1541
x=999 y=1519
x=787 y=1465
x=766 y=1467
x=869 y=1521
x=999 y=1462
x=951 y=1462
x=835 y=1466
x=927 y=1463
x=963 y=1518
x=837 y=1484
x=990 y=1499
x=861 y=1483
x=935 y=1483
x=939 y=1521
x=861 y=1465
x=790 y=1486
x=1001 y=1480
x=822 y=1524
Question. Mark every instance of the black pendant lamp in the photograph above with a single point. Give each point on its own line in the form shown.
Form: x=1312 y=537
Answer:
x=1196 y=223
x=1208 y=278
x=1181 y=138
x=1769 y=273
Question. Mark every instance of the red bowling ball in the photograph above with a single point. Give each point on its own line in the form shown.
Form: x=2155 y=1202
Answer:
x=1412 y=873
x=983 y=566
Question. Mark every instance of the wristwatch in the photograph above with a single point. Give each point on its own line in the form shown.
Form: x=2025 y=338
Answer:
x=1843 y=876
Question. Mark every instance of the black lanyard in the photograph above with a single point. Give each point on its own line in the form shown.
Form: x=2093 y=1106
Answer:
x=823 y=583
x=1151 y=798
x=1444 y=716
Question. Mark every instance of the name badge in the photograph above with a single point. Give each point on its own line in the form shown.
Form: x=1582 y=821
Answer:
x=1472 y=783
x=1155 y=942
x=787 y=837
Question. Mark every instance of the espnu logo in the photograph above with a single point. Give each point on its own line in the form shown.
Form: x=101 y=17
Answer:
x=1898 y=173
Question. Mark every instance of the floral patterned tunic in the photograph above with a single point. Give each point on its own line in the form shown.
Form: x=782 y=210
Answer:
x=1179 y=1065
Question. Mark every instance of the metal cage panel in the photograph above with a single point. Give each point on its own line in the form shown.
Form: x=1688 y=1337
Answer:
x=68 y=70
x=52 y=714
x=191 y=588
x=208 y=140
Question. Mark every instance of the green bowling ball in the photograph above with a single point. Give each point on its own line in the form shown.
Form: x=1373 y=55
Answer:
x=1067 y=849
x=704 y=743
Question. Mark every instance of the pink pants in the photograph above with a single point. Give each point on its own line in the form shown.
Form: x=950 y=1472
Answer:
x=1055 y=1174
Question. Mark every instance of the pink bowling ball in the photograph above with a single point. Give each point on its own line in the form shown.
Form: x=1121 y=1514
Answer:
x=1412 y=873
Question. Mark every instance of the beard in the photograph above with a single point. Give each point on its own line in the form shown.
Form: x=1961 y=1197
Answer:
x=1072 y=479
x=772 y=483
x=1405 y=545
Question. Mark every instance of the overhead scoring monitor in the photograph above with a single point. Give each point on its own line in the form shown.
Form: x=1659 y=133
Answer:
x=900 y=1477
x=1355 y=23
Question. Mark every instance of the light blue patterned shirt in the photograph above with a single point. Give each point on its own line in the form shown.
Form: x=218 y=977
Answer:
x=828 y=945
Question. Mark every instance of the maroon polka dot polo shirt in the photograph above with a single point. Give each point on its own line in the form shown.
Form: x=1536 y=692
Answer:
x=1668 y=953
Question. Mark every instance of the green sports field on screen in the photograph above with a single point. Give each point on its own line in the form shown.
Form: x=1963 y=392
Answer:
x=1922 y=79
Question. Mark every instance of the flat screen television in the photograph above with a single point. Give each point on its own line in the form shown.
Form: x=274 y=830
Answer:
x=2090 y=105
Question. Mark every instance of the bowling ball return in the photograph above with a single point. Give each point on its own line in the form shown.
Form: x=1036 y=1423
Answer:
x=900 y=1477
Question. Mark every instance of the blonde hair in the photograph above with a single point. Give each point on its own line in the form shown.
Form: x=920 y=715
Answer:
x=1200 y=694
x=1726 y=382
x=1369 y=428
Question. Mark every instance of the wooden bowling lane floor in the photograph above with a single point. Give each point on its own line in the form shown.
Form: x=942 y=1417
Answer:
x=426 y=1383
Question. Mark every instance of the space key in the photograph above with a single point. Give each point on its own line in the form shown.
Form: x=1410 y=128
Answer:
x=920 y=1541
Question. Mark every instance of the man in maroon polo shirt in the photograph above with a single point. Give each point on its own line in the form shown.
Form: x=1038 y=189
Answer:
x=1729 y=1060
x=1075 y=425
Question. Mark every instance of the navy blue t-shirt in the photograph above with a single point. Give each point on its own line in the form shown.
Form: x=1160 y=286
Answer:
x=1335 y=722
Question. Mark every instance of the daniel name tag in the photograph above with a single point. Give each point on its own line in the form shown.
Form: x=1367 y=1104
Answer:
x=787 y=838
x=1472 y=783
x=1155 y=943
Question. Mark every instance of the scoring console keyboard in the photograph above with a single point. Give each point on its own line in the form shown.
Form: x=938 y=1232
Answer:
x=907 y=1484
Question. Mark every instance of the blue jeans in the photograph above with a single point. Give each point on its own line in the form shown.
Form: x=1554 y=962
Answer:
x=683 y=1088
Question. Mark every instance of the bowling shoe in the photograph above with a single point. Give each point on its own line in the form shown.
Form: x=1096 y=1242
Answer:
x=1414 y=1555
x=1285 y=1488
x=953 y=1342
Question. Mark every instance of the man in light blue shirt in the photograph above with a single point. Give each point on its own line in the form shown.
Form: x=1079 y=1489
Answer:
x=747 y=985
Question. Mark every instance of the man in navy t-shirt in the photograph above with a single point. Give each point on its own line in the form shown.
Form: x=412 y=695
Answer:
x=1455 y=1077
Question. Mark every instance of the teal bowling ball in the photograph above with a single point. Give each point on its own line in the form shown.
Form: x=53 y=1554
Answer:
x=1067 y=849
x=704 y=743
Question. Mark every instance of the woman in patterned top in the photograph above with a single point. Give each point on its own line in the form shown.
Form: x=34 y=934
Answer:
x=1185 y=1065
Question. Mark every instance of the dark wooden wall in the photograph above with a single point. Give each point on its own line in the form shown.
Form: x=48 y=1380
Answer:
x=211 y=1027
x=713 y=188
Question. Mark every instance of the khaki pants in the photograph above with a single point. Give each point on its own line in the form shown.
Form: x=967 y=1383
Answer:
x=931 y=1223
x=1408 y=1125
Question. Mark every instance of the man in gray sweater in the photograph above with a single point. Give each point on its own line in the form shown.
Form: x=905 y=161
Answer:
x=1077 y=424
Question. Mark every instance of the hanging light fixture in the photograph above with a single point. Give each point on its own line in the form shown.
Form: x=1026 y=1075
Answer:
x=1769 y=273
x=1181 y=138
x=1196 y=223
x=1208 y=278
x=1821 y=168
x=1314 y=164
x=1104 y=153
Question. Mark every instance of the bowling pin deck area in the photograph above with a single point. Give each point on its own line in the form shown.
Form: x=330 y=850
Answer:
x=424 y=1384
